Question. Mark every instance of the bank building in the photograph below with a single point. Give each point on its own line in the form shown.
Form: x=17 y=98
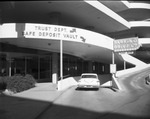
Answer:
x=54 y=40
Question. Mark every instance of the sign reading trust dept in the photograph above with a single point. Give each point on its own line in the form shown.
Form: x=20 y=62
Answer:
x=127 y=44
x=50 y=32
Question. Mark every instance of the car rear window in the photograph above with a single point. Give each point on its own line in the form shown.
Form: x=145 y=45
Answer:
x=89 y=76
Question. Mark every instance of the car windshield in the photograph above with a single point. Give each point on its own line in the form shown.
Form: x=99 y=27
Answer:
x=89 y=76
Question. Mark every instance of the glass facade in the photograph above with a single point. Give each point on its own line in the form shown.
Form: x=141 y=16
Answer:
x=40 y=66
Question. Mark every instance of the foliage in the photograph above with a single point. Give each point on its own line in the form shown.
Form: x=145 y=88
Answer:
x=3 y=83
x=19 y=83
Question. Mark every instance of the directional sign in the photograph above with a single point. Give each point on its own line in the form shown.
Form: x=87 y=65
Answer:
x=127 y=44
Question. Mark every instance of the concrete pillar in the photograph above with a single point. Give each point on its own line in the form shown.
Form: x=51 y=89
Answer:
x=55 y=19
x=124 y=64
x=103 y=68
x=54 y=68
x=39 y=67
x=50 y=68
x=90 y=67
x=0 y=16
x=25 y=65
x=8 y=69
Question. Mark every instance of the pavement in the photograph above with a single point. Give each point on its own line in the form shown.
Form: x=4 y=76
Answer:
x=28 y=104
x=33 y=102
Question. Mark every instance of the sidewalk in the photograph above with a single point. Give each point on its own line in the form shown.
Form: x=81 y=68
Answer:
x=28 y=104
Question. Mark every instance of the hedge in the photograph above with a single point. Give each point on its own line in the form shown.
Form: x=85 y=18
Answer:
x=19 y=83
x=3 y=83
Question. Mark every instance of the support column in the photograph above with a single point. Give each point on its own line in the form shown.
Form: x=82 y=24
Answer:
x=124 y=64
x=54 y=68
x=50 y=67
x=113 y=58
x=10 y=68
x=61 y=59
x=90 y=67
x=55 y=19
x=103 y=68
x=114 y=83
x=25 y=66
x=39 y=68
x=0 y=16
x=82 y=66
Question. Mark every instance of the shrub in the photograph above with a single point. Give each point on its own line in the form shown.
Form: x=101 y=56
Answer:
x=30 y=80
x=3 y=83
x=19 y=83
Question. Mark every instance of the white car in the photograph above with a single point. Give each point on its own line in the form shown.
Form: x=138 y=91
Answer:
x=89 y=80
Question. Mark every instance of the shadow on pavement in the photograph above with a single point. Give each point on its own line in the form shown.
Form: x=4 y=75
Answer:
x=96 y=89
x=110 y=87
x=66 y=112
x=22 y=108
x=87 y=89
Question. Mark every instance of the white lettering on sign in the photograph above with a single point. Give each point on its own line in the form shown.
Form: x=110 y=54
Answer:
x=128 y=44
